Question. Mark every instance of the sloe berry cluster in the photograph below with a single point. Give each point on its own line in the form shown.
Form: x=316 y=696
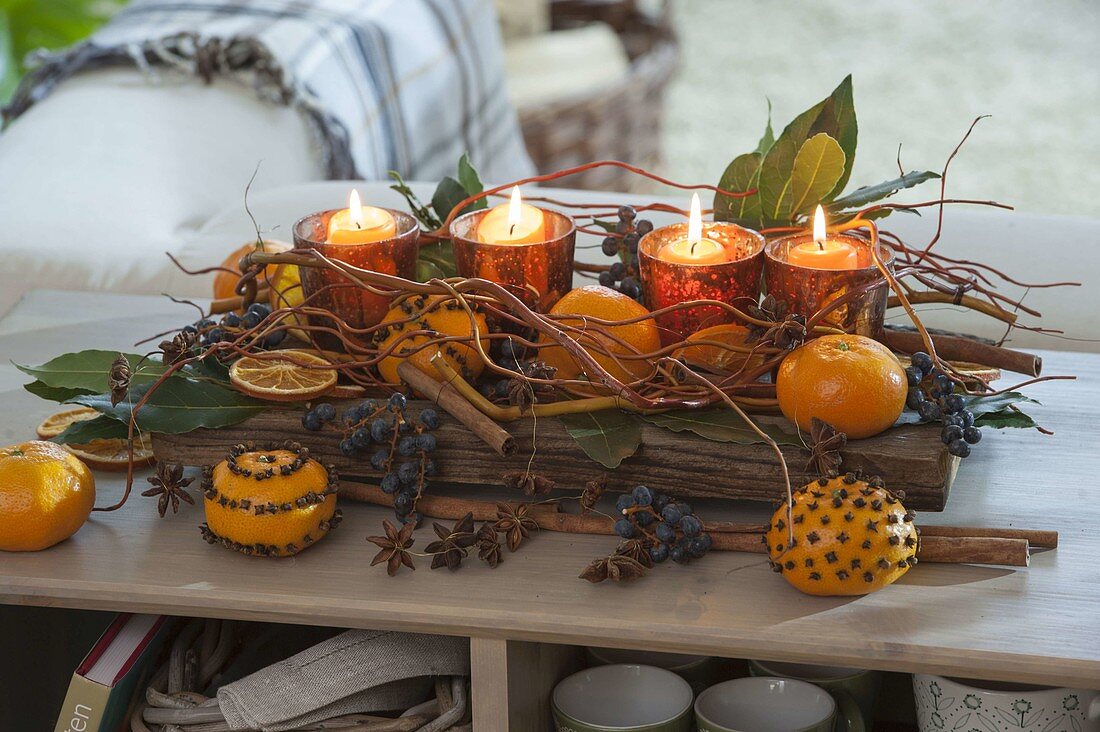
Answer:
x=232 y=325
x=932 y=395
x=402 y=445
x=623 y=275
x=669 y=529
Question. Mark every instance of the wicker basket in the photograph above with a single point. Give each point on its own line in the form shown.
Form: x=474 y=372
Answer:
x=621 y=121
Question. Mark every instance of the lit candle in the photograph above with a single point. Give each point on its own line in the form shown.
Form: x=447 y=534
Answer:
x=359 y=224
x=694 y=249
x=514 y=222
x=823 y=252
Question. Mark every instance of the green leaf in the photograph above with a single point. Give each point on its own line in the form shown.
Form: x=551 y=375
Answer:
x=835 y=116
x=441 y=257
x=860 y=197
x=817 y=167
x=99 y=428
x=740 y=175
x=179 y=405
x=57 y=394
x=422 y=213
x=1005 y=418
x=468 y=177
x=87 y=370
x=721 y=425
x=996 y=411
x=608 y=436
x=450 y=192
x=989 y=404
x=768 y=139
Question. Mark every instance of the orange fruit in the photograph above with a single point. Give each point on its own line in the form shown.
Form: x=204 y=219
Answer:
x=274 y=502
x=287 y=292
x=854 y=383
x=597 y=301
x=444 y=317
x=46 y=495
x=711 y=353
x=283 y=376
x=851 y=537
x=225 y=283
x=55 y=424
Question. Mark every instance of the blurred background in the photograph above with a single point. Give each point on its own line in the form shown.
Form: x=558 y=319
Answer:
x=590 y=79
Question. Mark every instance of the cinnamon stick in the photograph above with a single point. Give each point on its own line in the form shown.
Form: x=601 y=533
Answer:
x=956 y=348
x=1011 y=552
x=1034 y=537
x=458 y=407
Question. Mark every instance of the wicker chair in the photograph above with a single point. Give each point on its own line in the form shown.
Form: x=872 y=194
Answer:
x=621 y=121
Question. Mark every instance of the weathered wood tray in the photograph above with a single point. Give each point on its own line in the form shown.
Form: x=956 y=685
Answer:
x=910 y=458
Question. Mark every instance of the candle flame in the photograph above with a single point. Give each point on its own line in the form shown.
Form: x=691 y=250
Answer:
x=819 y=227
x=515 y=214
x=695 y=220
x=355 y=209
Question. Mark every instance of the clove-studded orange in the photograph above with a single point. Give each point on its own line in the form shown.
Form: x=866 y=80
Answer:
x=850 y=537
x=275 y=502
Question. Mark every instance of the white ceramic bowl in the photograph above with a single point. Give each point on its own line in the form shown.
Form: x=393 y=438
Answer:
x=764 y=704
x=623 y=696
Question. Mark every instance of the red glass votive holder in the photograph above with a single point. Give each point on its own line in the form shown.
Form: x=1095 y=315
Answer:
x=331 y=291
x=664 y=284
x=807 y=290
x=538 y=273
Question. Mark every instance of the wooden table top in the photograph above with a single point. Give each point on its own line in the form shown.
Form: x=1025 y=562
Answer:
x=1040 y=624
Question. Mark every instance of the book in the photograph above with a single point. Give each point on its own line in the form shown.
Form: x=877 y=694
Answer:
x=104 y=683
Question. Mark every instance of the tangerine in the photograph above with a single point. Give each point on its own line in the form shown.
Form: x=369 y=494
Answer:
x=854 y=383
x=225 y=283
x=713 y=349
x=607 y=348
x=46 y=495
x=436 y=316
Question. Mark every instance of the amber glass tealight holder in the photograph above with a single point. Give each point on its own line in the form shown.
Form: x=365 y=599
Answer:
x=807 y=290
x=539 y=273
x=331 y=291
x=664 y=283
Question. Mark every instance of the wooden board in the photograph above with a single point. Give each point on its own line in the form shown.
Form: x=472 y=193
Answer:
x=910 y=458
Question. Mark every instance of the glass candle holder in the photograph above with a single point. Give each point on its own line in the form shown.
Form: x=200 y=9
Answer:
x=331 y=291
x=664 y=283
x=538 y=273
x=807 y=290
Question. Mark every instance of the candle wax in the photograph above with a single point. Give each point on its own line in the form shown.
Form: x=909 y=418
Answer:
x=375 y=224
x=495 y=228
x=703 y=251
x=831 y=254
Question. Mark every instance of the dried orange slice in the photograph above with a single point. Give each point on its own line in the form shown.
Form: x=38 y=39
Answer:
x=113 y=454
x=55 y=424
x=973 y=370
x=283 y=376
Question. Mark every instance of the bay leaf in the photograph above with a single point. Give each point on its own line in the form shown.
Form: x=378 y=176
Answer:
x=1005 y=418
x=817 y=167
x=102 y=427
x=179 y=405
x=860 y=197
x=722 y=425
x=740 y=175
x=608 y=436
x=57 y=394
x=87 y=370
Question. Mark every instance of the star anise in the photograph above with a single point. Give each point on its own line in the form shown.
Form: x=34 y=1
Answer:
x=514 y=522
x=593 y=489
x=637 y=550
x=488 y=548
x=520 y=394
x=538 y=370
x=118 y=379
x=453 y=542
x=617 y=568
x=788 y=330
x=179 y=347
x=170 y=485
x=532 y=484
x=394 y=547
x=825 y=446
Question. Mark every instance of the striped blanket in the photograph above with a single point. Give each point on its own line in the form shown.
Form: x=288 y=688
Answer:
x=405 y=85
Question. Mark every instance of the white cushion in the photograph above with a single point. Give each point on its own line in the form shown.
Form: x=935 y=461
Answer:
x=110 y=171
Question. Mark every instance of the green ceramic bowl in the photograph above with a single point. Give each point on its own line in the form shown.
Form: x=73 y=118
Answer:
x=622 y=698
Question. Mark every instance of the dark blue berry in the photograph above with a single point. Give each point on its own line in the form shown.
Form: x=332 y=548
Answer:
x=914 y=398
x=390 y=483
x=312 y=421
x=972 y=435
x=913 y=375
x=625 y=501
x=426 y=442
x=627 y=213
x=644 y=518
x=660 y=501
x=966 y=417
x=204 y=324
x=379 y=458
x=642 y=495
x=260 y=308
x=325 y=411
x=624 y=528
x=273 y=339
x=643 y=227
x=672 y=514
x=959 y=448
x=954 y=403
x=380 y=430
x=406 y=446
x=231 y=320
x=360 y=438
x=944 y=383
x=928 y=411
x=951 y=433
x=665 y=532
x=429 y=418
x=350 y=416
x=366 y=409
x=697 y=547
x=678 y=555
x=398 y=401
x=408 y=472
x=610 y=246
x=952 y=420
x=617 y=271
x=251 y=319
x=402 y=503
x=216 y=335
x=630 y=287
x=685 y=509
x=691 y=526
x=922 y=361
x=605 y=279
x=347 y=448
x=658 y=553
